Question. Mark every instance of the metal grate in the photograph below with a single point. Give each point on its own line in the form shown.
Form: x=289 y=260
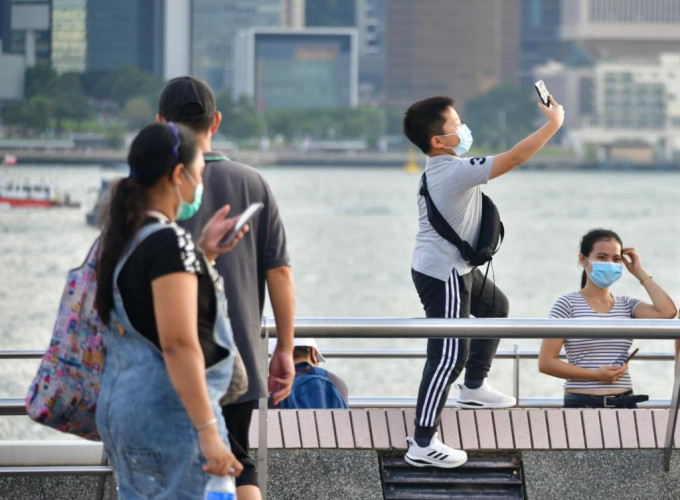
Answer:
x=482 y=477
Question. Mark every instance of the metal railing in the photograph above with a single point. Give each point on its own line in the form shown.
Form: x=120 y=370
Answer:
x=390 y=328
x=422 y=328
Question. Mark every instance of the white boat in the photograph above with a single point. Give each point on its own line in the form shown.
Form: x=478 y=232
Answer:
x=32 y=194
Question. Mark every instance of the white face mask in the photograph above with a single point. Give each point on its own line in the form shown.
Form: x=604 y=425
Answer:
x=465 y=135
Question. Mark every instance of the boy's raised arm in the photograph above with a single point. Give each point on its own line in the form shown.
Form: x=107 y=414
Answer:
x=525 y=149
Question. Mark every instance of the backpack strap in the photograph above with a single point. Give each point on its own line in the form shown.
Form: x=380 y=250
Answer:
x=439 y=223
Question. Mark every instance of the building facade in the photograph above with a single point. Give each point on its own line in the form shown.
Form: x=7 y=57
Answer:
x=69 y=35
x=125 y=32
x=287 y=68
x=540 y=36
x=330 y=13
x=214 y=27
x=371 y=26
x=622 y=28
x=624 y=109
x=449 y=47
x=25 y=29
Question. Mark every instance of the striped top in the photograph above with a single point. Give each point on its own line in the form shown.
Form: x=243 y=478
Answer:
x=593 y=353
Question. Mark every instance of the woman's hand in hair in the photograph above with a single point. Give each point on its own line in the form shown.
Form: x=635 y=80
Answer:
x=633 y=263
x=216 y=228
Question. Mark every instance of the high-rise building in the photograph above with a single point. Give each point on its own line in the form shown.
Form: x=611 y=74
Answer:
x=635 y=114
x=622 y=28
x=293 y=13
x=371 y=26
x=540 y=36
x=125 y=32
x=176 y=39
x=25 y=29
x=331 y=13
x=449 y=47
x=293 y=68
x=69 y=35
x=214 y=26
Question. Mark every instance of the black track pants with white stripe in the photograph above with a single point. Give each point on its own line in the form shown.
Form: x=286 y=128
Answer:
x=458 y=297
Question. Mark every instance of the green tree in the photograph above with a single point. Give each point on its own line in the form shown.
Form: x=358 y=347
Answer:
x=38 y=111
x=502 y=116
x=39 y=80
x=115 y=136
x=130 y=81
x=366 y=123
x=137 y=113
x=32 y=115
x=70 y=101
x=240 y=118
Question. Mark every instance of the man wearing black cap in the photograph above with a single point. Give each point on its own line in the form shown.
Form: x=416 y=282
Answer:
x=260 y=258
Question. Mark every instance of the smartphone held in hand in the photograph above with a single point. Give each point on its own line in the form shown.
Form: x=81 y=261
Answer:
x=543 y=92
x=243 y=219
x=632 y=355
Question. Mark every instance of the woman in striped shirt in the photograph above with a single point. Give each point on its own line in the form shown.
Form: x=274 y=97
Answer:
x=596 y=371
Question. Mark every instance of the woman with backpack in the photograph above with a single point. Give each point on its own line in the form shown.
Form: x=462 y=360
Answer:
x=170 y=350
x=596 y=370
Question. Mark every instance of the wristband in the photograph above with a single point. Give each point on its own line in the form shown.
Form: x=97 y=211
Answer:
x=646 y=276
x=207 y=424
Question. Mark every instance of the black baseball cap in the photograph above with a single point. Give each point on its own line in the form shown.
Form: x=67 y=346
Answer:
x=187 y=100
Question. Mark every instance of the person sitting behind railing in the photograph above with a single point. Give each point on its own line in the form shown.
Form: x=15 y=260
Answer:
x=313 y=387
x=596 y=370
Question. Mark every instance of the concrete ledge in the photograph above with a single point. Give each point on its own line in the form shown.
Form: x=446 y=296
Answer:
x=327 y=474
x=51 y=487
x=601 y=474
x=71 y=452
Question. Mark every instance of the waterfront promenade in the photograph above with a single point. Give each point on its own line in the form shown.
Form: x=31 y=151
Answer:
x=112 y=158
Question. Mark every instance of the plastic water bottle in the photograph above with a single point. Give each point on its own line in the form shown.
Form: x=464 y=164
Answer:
x=220 y=488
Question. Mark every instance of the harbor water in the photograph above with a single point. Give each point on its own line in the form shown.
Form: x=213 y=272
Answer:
x=350 y=236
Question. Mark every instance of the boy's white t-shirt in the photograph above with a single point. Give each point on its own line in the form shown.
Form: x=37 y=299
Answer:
x=455 y=187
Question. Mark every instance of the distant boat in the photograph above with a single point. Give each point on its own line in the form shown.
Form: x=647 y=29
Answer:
x=9 y=160
x=33 y=194
x=92 y=217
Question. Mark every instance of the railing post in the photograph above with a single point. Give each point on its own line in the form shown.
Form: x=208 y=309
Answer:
x=101 y=487
x=672 y=420
x=262 y=417
x=515 y=374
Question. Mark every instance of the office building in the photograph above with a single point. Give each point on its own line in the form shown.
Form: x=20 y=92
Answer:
x=175 y=46
x=125 y=32
x=25 y=29
x=371 y=26
x=287 y=68
x=540 y=36
x=449 y=47
x=12 y=77
x=214 y=26
x=69 y=35
x=331 y=13
x=634 y=110
x=622 y=28
x=293 y=13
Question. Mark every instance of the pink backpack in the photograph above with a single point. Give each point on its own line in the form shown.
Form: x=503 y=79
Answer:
x=63 y=394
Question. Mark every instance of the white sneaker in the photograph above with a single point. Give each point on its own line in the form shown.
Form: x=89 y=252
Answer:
x=436 y=454
x=483 y=397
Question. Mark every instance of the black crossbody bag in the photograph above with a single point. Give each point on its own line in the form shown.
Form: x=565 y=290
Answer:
x=491 y=230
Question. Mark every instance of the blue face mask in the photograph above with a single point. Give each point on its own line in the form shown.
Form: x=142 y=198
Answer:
x=605 y=274
x=188 y=210
x=465 y=135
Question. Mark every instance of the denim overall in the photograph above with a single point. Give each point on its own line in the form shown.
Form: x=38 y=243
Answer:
x=146 y=431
